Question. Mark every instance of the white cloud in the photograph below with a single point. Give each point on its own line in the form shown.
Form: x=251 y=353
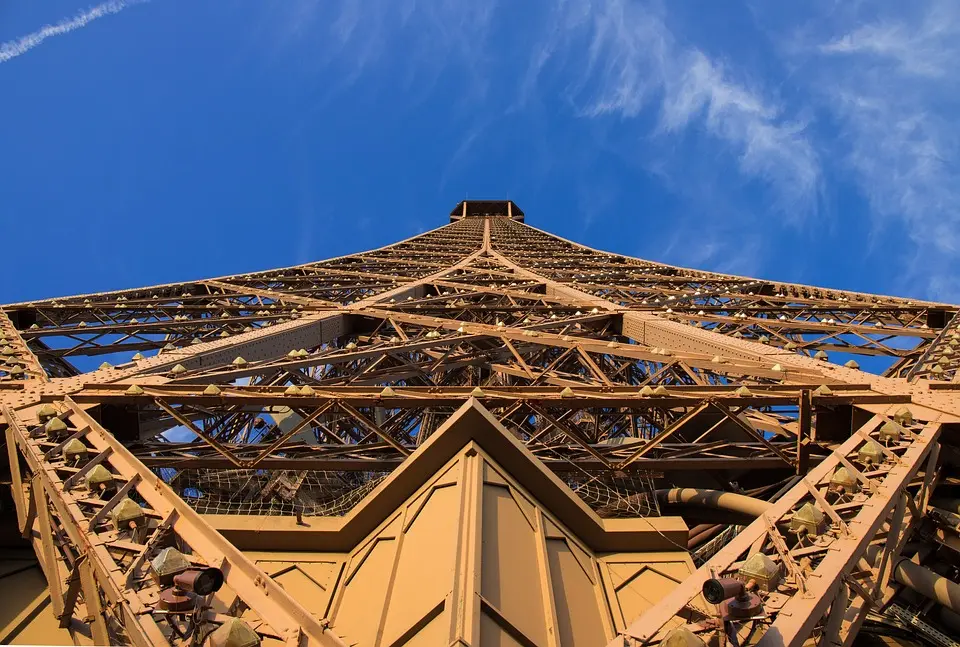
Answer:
x=922 y=49
x=892 y=85
x=633 y=63
x=425 y=36
x=716 y=247
x=14 y=48
x=769 y=146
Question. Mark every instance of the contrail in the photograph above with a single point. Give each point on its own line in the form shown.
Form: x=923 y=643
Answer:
x=14 y=48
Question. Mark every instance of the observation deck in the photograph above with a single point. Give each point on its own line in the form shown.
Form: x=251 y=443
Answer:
x=481 y=208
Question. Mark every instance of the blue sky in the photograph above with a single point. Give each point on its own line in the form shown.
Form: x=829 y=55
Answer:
x=149 y=142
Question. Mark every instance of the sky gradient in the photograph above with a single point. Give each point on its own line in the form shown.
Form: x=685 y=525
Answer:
x=152 y=142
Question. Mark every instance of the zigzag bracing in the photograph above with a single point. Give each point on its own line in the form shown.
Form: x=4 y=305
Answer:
x=303 y=394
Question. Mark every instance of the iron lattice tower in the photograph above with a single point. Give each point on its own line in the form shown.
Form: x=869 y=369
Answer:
x=486 y=434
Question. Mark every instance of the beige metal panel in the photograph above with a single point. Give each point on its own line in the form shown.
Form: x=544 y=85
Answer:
x=579 y=619
x=472 y=422
x=423 y=574
x=309 y=579
x=406 y=567
x=510 y=579
x=637 y=582
x=493 y=634
x=357 y=616
x=424 y=564
x=431 y=631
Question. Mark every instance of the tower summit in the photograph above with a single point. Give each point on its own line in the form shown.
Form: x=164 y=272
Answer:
x=484 y=434
x=486 y=208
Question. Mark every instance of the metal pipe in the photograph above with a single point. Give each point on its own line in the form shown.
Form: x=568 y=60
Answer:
x=704 y=536
x=696 y=530
x=945 y=518
x=950 y=619
x=922 y=580
x=713 y=499
x=917 y=578
x=945 y=503
x=928 y=584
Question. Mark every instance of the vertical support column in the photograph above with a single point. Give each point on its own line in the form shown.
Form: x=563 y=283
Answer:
x=16 y=480
x=805 y=422
x=465 y=597
x=73 y=591
x=891 y=550
x=546 y=583
x=91 y=598
x=831 y=633
x=391 y=579
x=929 y=472
x=50 y=563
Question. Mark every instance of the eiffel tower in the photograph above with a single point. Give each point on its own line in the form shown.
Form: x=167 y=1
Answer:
x=481 y=435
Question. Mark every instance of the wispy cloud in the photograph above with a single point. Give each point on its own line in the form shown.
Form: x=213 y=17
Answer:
x=719 y=248
x=417 y=38
x=634 y=64
x=892 y=84
x=14 y=48
x=770 y=146
x=916 y=48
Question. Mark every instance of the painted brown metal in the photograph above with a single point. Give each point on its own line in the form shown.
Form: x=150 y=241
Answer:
x=460 y=439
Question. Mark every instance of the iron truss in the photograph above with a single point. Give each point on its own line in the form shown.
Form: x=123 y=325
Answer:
x=130 y=415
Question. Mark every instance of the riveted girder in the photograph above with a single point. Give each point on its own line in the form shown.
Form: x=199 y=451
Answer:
x=622 y=421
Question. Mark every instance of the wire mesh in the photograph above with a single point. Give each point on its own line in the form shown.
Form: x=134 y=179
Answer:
x=332 y=493
x=703 y=554
x=274 y=492
x=617 y=496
